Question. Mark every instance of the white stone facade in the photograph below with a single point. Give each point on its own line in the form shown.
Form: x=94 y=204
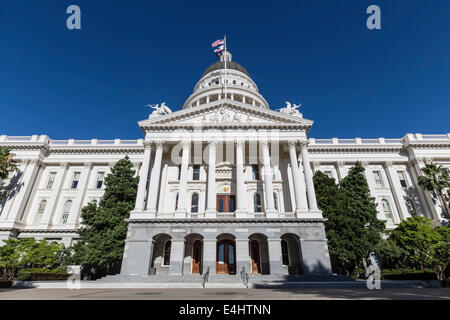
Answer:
x=226 y=144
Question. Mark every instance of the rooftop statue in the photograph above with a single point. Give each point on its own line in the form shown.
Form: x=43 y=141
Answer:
x=291 y=110
x=159 y=110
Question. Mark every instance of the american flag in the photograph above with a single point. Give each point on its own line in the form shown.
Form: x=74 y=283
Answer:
x=217 y=42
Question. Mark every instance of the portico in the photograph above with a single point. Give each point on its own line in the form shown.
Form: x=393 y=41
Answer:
x=225 y=187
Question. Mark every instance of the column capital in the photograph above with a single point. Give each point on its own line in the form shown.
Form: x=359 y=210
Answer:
x=186 y=144
x=388 y=164
x=365 y=164
x=292 y=144
x=148 y=145
x=340 y=164
x=88 y=165
x=265 y=143
x=303 y=143
x=159 y=144
x=63 y=165
x=239 y=142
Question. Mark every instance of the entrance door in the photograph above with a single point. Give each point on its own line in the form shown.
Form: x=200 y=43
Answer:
x=226 y=203
x=255 y=256
x=197 y=256
x=226 y=257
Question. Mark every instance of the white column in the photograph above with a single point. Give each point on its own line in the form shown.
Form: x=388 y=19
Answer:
x=181 y=211
x=22 y=193
x=397 y=191
x=211 y=211
x=309 y=178
x=270 y=208
x=295 y=176
x=143 y=177
x=304 y=198
x=340 y=170
x=153 y=189
x=432 y=213
x=241 y=192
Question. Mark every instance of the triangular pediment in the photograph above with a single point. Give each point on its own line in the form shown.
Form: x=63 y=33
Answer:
x=226 y=114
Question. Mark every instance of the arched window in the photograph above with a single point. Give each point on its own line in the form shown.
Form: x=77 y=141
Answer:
x=66 y=211
x=275 y=200
x=167 y=246
x=40 y=211
x=194 y=203
x=284 y=252
x=231 y=204
x=257 y=203
x=176 y=201
x=387 y=209
x=221 y=206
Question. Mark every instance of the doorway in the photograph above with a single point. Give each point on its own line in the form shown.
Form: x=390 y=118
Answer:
x=197 y=257
x=226 y=203
x=226 y=257
x=255 y=257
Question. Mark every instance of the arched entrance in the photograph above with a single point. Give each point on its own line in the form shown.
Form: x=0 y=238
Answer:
x=259 y=254
x=197 y=257
x=291 y=253
x=226 y=256
x=255 y=256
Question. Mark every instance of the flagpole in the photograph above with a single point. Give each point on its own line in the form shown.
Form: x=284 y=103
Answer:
x=225 y=59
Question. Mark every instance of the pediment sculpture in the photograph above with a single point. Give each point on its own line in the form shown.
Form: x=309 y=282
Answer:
x=159 y=110
x=227 y=116
x=291 y=109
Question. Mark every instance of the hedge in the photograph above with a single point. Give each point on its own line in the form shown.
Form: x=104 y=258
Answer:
x=408 y=274
x=42 y=274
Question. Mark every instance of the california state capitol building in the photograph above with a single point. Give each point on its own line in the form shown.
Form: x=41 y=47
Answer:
x=226 y=183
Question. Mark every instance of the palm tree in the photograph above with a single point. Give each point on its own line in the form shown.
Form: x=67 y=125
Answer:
x=436 y=179
x=7 y=163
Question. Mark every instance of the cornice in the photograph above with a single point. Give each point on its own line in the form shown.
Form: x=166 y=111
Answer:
x=227 y=221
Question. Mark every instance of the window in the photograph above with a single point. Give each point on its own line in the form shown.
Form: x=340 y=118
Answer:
x=378 y=180
x=51 y=179
x=402 y=177
x=167 y=246
x=257 y=203
x=275 y=201
x=234 y=81
x=176 y=202
x=100 y=177
x=284 y=252
x=179 y=172
x=387 y=209
x=66 y=211
x=231 y=204
x=194 y=203
x=76 y=178
x=196 y=173
x=40 y=211
x=255 y=171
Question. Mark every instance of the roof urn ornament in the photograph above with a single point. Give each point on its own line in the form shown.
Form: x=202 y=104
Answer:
x=159 y=110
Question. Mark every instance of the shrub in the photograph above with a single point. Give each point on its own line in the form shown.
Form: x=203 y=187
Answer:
x=408 y=274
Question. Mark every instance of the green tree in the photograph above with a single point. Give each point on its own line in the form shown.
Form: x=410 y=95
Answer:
x=418 y=238
x=390 y=255
x=17 y=254
x=353 y=229
x=436 y=179
x=102 y=236
x=7 y=164
x=441 y=257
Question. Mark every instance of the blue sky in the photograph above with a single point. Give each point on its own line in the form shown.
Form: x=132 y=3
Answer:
x=353 y=82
